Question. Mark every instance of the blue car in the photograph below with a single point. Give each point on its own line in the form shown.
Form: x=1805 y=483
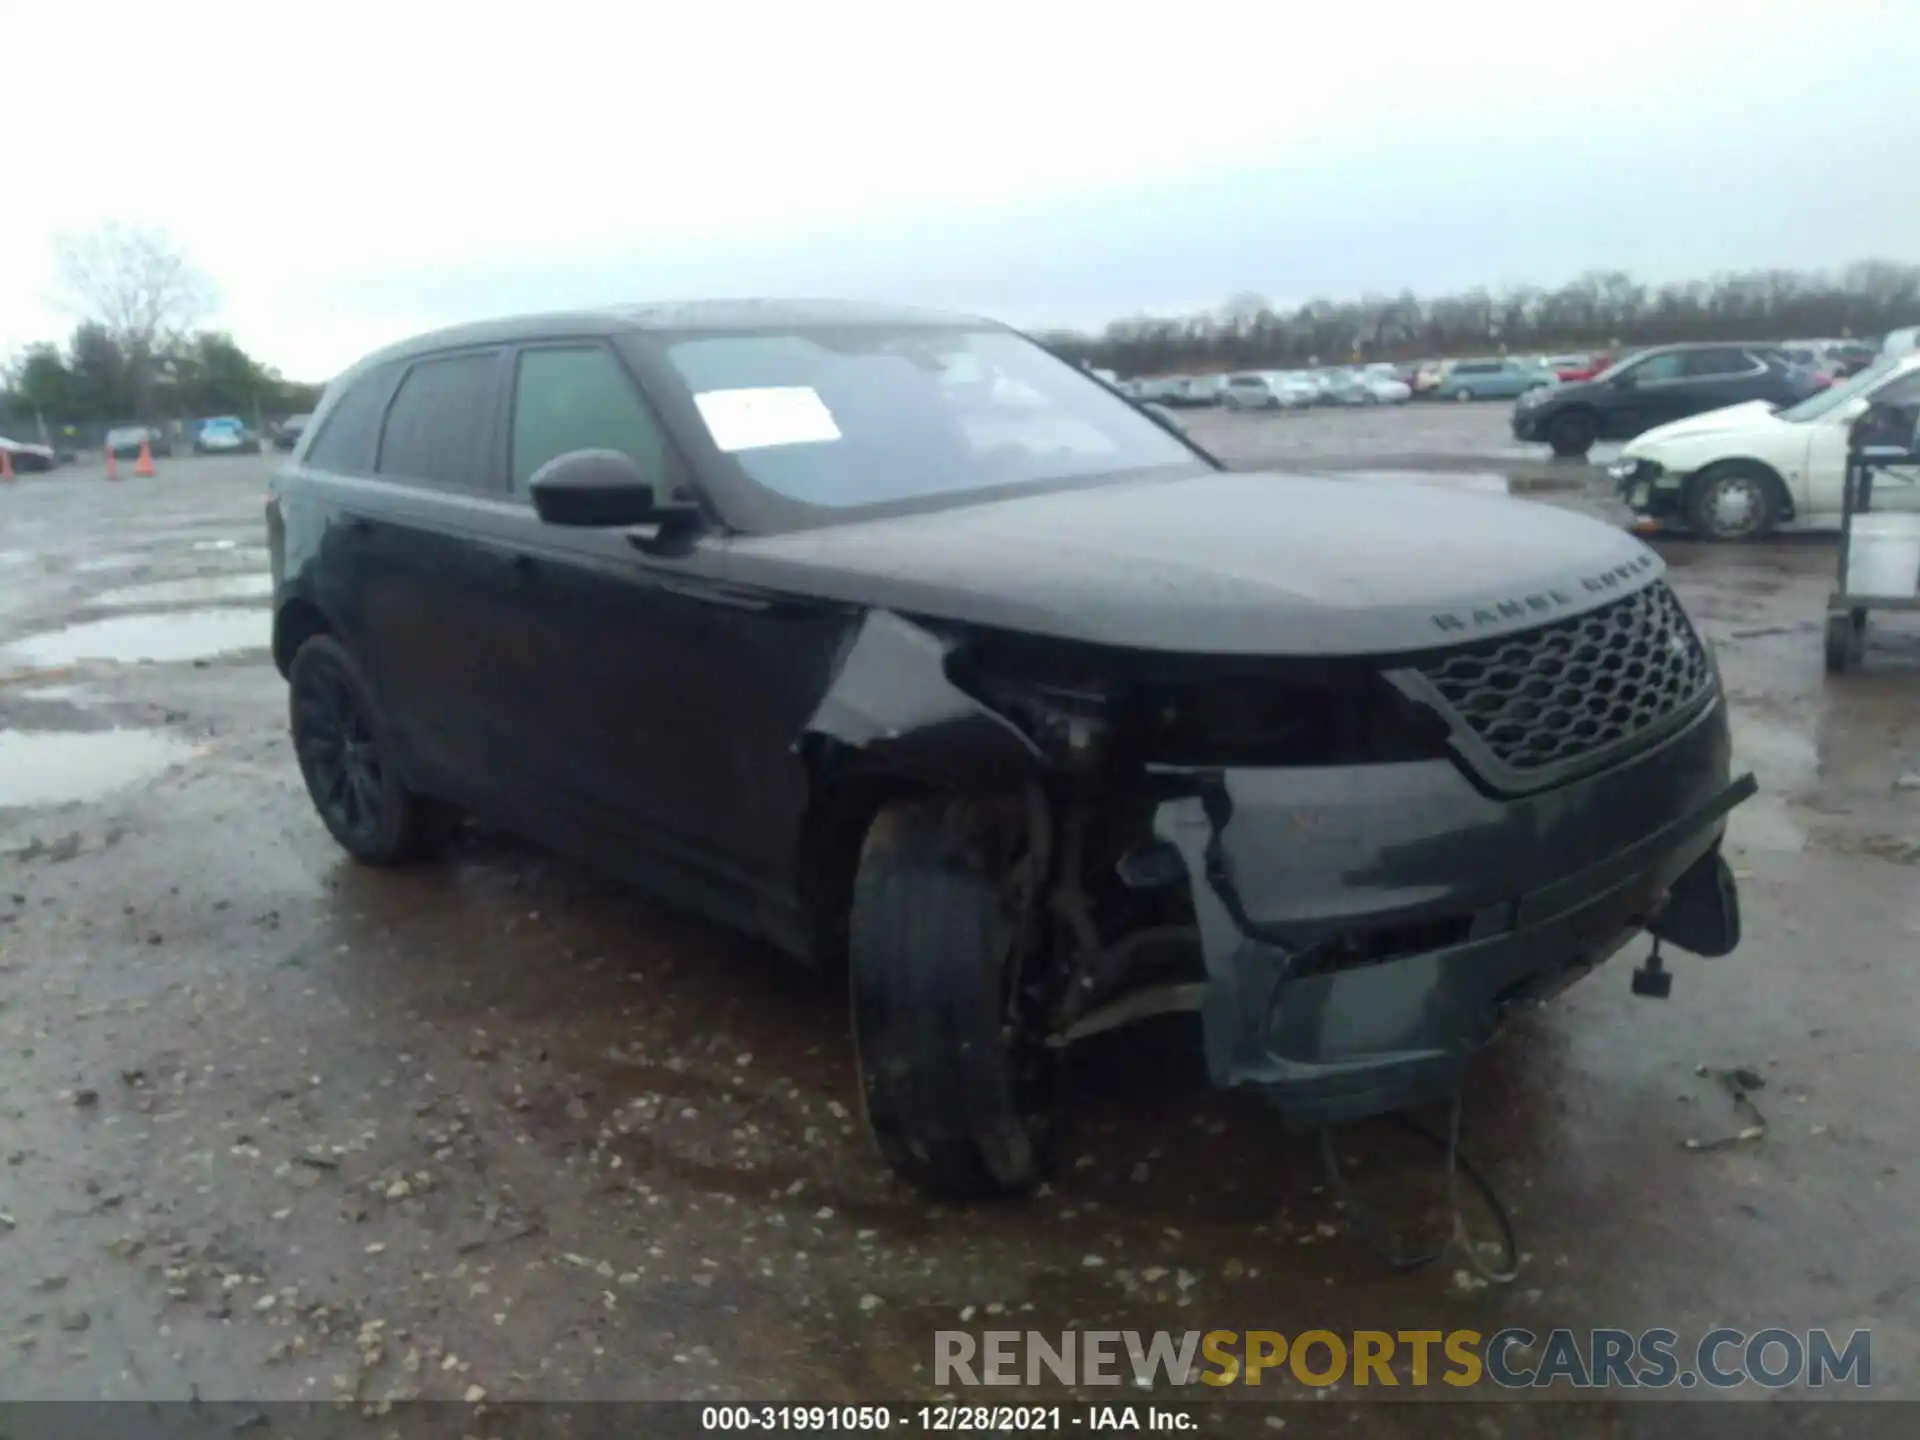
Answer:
x=1491 y=379
x=225 y=435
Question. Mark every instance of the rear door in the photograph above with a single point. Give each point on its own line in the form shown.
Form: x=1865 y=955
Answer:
x=1722 y=375
x=426 y=588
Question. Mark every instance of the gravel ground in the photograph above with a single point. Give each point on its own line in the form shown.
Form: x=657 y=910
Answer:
x=276 y=1127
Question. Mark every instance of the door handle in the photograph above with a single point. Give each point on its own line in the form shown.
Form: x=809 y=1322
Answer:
x=521 y=571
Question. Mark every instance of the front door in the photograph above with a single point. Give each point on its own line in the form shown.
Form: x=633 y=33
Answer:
x=633 y=695
x=1647 y=393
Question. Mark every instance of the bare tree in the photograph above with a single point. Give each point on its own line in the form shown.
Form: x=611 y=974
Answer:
x=138 y=287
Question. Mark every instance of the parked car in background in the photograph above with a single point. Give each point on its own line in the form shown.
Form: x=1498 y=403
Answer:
x=1249 y=391
x=789 y=612
x=1361 y=387
x=225 y=435
x=1500 y=379
x=1585 y=368
x=1742 y=472
x=1161 y=389
x=26 y=457
x=1567 y=367
x=123 y=442
x=287 y=434
x=1197 y=390
x=1427 y=376
x=1297 y=389
x=1655 y=387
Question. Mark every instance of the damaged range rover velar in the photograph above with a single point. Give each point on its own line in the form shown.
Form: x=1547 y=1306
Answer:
x=899 y=641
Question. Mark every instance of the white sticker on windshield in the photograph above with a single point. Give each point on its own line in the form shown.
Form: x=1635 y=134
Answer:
x=766 y=415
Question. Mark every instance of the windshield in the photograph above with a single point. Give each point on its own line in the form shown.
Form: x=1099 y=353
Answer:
x=870 y=415
x=1825 y=401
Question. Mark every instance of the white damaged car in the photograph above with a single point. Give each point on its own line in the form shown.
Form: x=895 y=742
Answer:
x=1747 y=470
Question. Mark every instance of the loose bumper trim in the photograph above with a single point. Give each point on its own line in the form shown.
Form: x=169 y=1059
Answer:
x=1353 y=1038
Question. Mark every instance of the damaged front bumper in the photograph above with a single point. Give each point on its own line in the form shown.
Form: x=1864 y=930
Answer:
x=1364 y=929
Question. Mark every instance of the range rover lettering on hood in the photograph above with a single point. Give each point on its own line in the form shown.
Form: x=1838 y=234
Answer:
x=1501 y=614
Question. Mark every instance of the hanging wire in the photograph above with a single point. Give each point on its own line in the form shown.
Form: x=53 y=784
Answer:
x=1364 y=1222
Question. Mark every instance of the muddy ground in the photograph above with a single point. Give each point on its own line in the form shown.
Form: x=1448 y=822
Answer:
x=278 y=1127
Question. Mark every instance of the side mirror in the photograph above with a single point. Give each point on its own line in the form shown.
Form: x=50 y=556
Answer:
x=1851 y=409
x=601 y=488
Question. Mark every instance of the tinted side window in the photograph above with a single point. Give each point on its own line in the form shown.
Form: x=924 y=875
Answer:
x=439 y=423
x=348 y=438
x=1477 y=367
x=1659 y=367
x=1717 y=360
x=579 y=398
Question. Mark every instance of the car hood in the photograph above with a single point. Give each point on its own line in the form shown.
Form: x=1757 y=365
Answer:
x=1713 y=422
x=1222 y=564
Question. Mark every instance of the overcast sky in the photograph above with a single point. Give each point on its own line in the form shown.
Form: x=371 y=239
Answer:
x=350 y=174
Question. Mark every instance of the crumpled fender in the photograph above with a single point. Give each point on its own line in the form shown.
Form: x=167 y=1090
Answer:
x=891 y=701
x=1240 y=978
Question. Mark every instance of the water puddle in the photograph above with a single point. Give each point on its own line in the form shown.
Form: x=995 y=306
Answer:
x=54 y=694
x=128 y=639
x=100 y=564
x=215 y=544
x=199 y=590
x=55 y=767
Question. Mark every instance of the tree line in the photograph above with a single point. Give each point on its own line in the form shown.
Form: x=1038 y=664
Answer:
x=1602 y=309
x=137 y=353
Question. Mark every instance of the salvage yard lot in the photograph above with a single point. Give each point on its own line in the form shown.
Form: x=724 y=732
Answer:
x=280 y=1127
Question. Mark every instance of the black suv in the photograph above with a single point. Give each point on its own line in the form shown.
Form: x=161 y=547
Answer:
x=1655 y=386
x=908 y=646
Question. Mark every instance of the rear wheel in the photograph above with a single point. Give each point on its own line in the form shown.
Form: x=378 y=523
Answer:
x=1463 y=394
x=1572 y=433
x=1734 y=501
x=345 y=751
x=948 y=970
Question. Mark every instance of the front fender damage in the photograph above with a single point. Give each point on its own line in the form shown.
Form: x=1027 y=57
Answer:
x=892 y=705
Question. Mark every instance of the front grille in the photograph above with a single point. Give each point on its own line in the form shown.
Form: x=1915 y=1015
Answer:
x=1577 y=687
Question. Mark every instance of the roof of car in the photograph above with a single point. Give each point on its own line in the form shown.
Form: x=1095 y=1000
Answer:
x=713 y=315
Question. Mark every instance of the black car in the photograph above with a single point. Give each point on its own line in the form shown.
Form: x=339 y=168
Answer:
x=1653 y=387
x=287 y=434
x=894 y=639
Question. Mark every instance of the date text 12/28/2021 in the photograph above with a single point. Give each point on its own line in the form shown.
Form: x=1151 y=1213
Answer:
x=945 y=1419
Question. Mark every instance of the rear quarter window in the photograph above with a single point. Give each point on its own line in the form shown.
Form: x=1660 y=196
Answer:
x=350 y=434
x=440 y=425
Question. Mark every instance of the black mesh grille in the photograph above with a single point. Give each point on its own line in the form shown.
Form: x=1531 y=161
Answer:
x=1570 y=689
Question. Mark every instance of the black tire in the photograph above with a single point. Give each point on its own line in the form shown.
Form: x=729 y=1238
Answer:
x=1846 y=641
x=344 y=747
x=1733 y=501
x=1572 y=433
x=962 y=1101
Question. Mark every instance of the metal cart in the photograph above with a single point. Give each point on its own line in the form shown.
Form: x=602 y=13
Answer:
x=1847 y=613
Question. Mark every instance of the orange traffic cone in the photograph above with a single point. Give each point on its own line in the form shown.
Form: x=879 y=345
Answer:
x=6 y=466
x=113 y=468
x=144 y=465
